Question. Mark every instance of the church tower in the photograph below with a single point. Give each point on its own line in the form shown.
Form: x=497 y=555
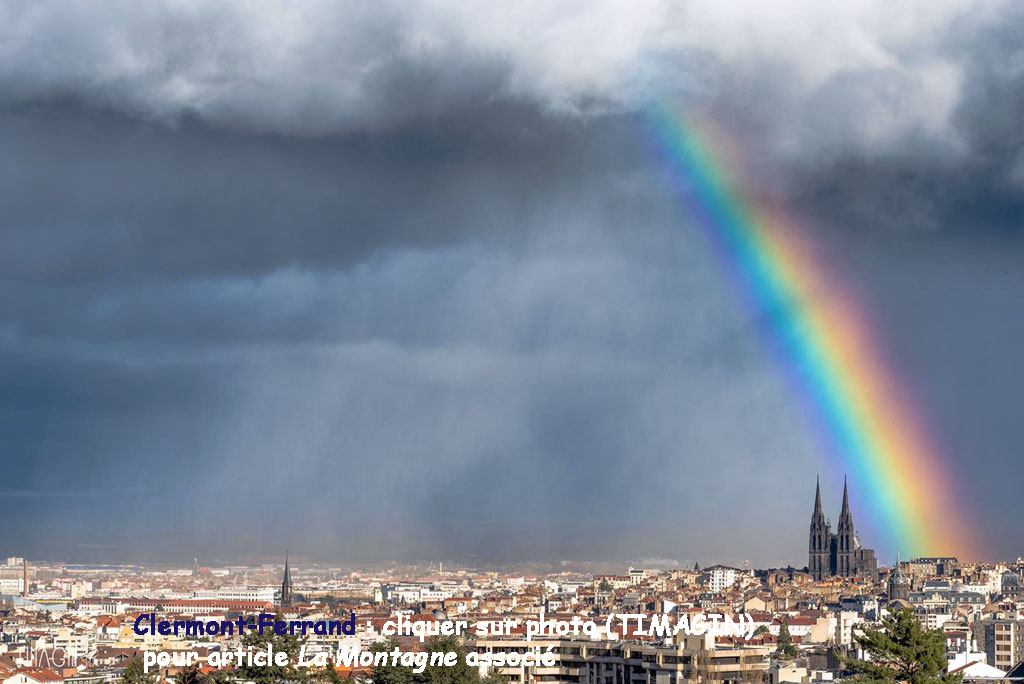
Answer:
x=899 y=584
x=818 y=550
x=286 y=584
x=846 y=541
x=839 y=553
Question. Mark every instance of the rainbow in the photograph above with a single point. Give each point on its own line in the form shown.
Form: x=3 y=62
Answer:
x=865 y=418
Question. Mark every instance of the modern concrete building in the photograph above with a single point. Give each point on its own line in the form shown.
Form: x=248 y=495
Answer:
x=579 y=661
x=1002 y=641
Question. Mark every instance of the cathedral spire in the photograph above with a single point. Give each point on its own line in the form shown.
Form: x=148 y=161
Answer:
x=839 y=553
x=845 y=513
x=817 y=515
x=286 y=584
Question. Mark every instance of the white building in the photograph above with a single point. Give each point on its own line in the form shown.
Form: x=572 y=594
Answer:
x=846 y=620
x=973 y=666
x=261 y=594
x=720 y=577
x=11 y=585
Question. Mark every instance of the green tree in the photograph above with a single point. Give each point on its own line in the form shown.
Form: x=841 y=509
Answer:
x=902 y=651
x=135 y=673
x=459 y=673
x=786 y=649
x=190 y=675
x=390 y=674
x=271 y=674
x=218 y=677
x=492 y=677
x=327 y=674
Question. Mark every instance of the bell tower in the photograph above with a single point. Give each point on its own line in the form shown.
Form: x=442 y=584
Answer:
x=818 y=548
x=846 y=539
x=286 y=584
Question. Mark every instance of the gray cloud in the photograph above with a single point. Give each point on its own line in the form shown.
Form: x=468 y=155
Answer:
x=563 y=374
x=408 y=281
x=324 y=67
x=194 y=201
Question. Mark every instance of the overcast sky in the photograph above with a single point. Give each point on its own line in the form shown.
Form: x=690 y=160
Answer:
x=379 y=280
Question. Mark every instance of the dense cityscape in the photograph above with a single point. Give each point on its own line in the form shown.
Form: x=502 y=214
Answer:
x=74 y=623
x=448 y=342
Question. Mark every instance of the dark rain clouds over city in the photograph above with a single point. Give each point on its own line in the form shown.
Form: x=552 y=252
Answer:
x=384 y=280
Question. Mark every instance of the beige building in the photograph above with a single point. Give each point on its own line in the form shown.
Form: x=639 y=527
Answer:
x=582 y=661
x=1002 y=641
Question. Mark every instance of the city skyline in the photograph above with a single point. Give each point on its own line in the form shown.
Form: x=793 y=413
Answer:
x=816 y=567
x=75 y=624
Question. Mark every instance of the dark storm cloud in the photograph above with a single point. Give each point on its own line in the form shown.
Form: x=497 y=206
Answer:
x=974 y=184
x=880 y=116
x=91 y=196
x=407 y=281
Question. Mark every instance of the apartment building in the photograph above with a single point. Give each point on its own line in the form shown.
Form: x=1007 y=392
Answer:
x=1002 y=641
x=579 y=661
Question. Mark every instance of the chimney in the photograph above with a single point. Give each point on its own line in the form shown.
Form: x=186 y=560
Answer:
x=24 y=577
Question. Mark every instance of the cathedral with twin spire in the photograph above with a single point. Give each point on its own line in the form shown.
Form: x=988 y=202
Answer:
x=840 y=553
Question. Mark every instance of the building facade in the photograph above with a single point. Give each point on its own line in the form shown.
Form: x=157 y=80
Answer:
x=899 y=584
x=582 y=661
x=720 y=577
x=1002 y=641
